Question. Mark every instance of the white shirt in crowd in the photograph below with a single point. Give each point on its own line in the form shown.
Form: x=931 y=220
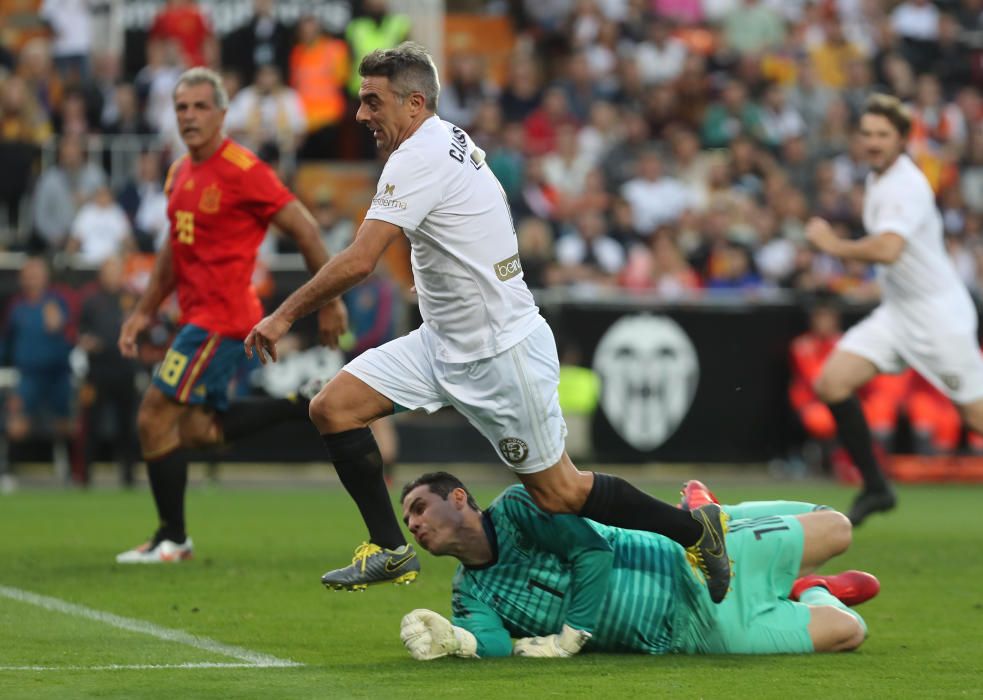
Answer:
x=101 y=231
x=465 y=253
x=655 y=202
x=269 y=117
x=916 y=22
x=660 y=64
x=922 y=288
x=69 y=20
x=607 y=252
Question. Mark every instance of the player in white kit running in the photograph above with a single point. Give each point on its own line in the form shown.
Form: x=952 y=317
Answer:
x=482 y=348
x=926 y=319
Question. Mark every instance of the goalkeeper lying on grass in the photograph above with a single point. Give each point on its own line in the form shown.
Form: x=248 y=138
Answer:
x=559 y=584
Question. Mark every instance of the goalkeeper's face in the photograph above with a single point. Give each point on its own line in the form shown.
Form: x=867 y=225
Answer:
x=435 y=522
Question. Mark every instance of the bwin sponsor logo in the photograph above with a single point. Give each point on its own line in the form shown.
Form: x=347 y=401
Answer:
x=509 y=268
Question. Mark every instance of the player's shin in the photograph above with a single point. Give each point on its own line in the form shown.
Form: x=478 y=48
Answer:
x=168 y=475
x=613 y=501
x=854 y=433
x=358 y=462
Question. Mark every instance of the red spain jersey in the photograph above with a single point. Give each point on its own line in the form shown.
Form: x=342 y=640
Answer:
x=219 y=212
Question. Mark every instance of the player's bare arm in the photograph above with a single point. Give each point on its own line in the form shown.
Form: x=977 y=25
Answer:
x=341 y=273
x=161 y=284
x=883 y=248
x=297 y=223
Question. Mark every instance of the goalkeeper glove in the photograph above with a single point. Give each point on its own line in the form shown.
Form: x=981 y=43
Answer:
x=567 y=643
x=428 y=635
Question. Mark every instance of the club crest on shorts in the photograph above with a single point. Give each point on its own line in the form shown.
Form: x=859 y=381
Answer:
x=513 y=449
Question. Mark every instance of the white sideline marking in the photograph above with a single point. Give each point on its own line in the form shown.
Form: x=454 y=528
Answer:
x=128 y=667
x=252 y=658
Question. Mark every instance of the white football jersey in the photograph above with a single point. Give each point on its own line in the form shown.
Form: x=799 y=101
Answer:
x=922 y=288
x=465 y=255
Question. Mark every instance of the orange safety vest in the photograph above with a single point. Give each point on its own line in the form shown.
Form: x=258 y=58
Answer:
x=318 y=73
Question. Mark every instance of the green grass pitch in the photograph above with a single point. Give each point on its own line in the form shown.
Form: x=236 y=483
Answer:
x=253 y=590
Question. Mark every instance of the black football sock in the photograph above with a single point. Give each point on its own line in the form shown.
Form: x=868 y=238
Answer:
x=854 y=433
x=357 y=459
x=613 y=501
x=250 y=415
x=168 y=476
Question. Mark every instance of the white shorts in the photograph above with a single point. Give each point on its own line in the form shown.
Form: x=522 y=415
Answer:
x=510 y=398
x=950 y=361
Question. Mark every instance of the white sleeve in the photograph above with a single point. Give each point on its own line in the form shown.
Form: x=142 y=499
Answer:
x=408 y=191
x=898 y=212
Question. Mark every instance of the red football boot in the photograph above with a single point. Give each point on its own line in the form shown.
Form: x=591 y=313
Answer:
x=850 y=587
x=695 y=494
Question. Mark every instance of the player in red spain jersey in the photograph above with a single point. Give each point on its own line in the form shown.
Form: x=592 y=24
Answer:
x=221 y=199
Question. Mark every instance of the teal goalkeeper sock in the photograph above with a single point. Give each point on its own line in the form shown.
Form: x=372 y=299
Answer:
x=817 y=595
x=761 y=509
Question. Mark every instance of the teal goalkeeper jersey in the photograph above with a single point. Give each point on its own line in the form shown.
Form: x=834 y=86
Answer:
x=630 y=589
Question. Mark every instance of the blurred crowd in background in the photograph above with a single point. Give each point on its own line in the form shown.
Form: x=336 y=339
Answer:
x=676 y=146
x=672 y=147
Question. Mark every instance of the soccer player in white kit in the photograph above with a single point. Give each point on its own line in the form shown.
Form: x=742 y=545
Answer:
x=482 y=348
x=926 y=319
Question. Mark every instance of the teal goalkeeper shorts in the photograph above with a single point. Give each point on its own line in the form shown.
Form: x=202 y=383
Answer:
x=757 y=617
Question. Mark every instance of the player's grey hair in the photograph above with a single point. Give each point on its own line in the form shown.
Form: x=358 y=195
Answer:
x=204 y=76
x=409 y=67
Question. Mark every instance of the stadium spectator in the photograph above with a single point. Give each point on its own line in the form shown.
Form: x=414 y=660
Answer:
x=262 y=41
x=661 y=56
x=465 y=90
x=184 y=22
x=602 y=131
x=566 y=168
x=733 y=115
x=523 y=89
x=155 y=82
x=660 y=268
x=71 y=27
x=655 y=197
x=142 y=199
x=376 y=28
x=952 y=61
x=543 y=123
x=508 y=161
x=71 y=118
x=586 y=255
x=536 y=252
x=337 y=228
x=938 y=126
x=833 y=56
x=62 y=189
x=780 y=121
x=37 y=338
x=916 y=22
x=267 y=112
x=319 y=70
x=24 y=128
x=127 y=117
x=621 y=162
x=100 y=230
x=753 y=27
x=34 y=66
x=109 y=392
